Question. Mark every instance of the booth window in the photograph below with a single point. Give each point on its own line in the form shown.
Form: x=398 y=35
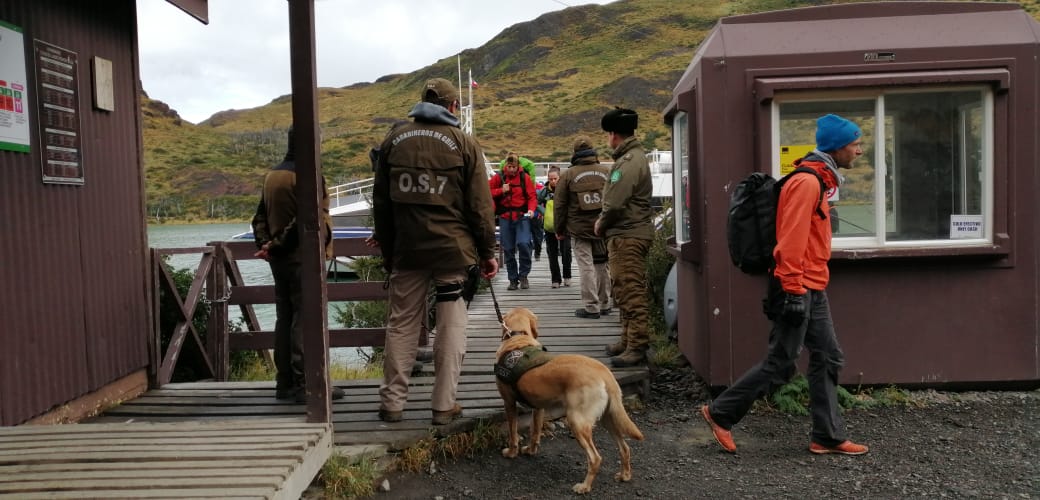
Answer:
x=680 y=177
x=926 y=174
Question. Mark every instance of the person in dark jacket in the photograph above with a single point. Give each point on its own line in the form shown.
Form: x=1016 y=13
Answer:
x=578 y=203
x=276 y=237
x=434 y=224
x=798 y=304
x=558 y=248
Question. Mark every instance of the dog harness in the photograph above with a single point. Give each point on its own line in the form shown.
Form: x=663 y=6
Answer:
x=514 y=364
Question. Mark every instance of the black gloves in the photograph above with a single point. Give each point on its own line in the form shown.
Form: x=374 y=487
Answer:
x=794 y=309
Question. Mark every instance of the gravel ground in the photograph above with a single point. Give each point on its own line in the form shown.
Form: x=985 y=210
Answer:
x=945 y=445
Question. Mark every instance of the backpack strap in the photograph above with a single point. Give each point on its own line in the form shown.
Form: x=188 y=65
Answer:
x=823 y=186
x=523 y=187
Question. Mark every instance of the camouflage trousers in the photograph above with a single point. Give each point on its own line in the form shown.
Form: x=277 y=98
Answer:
x=628 y=272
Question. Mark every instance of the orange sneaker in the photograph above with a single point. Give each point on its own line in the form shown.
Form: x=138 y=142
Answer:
x=846 y=448
x=722 y=436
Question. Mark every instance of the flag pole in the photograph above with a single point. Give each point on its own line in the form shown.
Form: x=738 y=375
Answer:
x=471 y=110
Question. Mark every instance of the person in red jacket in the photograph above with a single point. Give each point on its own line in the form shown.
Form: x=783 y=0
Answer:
x=515 y=205
x=797 y=302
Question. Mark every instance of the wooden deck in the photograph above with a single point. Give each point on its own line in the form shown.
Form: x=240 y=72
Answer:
x=355 y=419
x=225 y=439
x=232 y=459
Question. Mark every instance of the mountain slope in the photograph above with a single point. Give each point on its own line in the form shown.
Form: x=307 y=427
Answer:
x=541 y=83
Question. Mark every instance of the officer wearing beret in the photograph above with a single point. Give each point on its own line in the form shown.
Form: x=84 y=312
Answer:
x=627 y=223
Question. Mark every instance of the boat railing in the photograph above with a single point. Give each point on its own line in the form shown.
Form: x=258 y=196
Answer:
x=218 y=282
x=351 y=192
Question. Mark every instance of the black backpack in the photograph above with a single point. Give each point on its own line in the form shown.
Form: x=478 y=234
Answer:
x=751 y=225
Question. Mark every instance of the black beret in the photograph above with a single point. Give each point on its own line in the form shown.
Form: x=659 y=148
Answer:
x=620 y=120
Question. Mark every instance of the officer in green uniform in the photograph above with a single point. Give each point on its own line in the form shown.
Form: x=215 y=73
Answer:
x=627 y=224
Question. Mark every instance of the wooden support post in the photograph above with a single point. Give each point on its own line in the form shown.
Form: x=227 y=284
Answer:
x=313 y=313
x=217 y=330
x=155 y=343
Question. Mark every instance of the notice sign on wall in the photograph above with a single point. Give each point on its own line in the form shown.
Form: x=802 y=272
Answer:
x=965 y=227
x=58 y=99
x=14 y=114
x=789 y=153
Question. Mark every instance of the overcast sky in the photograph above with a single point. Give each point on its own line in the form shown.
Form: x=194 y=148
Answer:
x=241 y=59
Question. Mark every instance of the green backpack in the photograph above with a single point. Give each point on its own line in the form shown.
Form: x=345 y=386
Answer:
x=547 y=220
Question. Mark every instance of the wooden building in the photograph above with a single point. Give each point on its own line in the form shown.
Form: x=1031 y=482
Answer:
x=934 y=274
x=74 y=256
x=77 y=324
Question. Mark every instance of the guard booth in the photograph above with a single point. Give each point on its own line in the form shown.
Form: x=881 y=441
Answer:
x=934 y=273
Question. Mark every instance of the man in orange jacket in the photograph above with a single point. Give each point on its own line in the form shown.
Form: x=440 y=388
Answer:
x=797 y=301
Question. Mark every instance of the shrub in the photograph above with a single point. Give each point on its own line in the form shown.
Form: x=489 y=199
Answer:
x=191 y=365
x=658 y=264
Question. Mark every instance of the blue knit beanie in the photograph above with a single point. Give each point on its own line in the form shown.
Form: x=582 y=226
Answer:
x=834 y=132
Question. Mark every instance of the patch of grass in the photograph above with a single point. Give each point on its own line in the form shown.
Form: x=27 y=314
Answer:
x=368 y=371
x=484 y=436
x=889 y=396
x=417 y=458
x=251 y=368
x=665 y=352
x=793 y=397
x=344 y=477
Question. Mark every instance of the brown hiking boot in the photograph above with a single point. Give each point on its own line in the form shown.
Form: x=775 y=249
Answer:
x=513 y=285
x=445 y=417
x=631 y=357
x=617 y=347
x=390 y=415
x=582 y=313
x=524 y=285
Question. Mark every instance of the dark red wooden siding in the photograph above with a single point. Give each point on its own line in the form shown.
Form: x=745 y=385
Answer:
x=926 y=319
x=73 y=259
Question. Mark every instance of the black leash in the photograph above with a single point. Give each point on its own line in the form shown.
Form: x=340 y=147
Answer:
x=494 y=300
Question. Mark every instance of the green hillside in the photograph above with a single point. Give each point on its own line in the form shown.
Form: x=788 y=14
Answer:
x=541 y=83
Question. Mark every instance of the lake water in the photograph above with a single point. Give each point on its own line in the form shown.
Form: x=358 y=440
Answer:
x=254 y=272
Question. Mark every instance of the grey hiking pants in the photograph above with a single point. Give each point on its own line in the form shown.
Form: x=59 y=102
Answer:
x=785 y=344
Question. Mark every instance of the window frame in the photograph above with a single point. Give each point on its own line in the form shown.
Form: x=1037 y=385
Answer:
x=998 y=242
x=680 y=170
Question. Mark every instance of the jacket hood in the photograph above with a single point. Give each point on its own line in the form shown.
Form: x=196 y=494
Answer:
x=818 y=155
x=433 y=113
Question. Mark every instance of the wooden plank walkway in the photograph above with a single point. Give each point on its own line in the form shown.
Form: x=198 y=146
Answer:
x=355 y=419
x=189 y=459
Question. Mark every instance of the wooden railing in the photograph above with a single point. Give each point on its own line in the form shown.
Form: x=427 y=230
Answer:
x=224 y=288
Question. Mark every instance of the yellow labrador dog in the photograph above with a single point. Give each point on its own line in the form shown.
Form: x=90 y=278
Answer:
x=583 y=387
